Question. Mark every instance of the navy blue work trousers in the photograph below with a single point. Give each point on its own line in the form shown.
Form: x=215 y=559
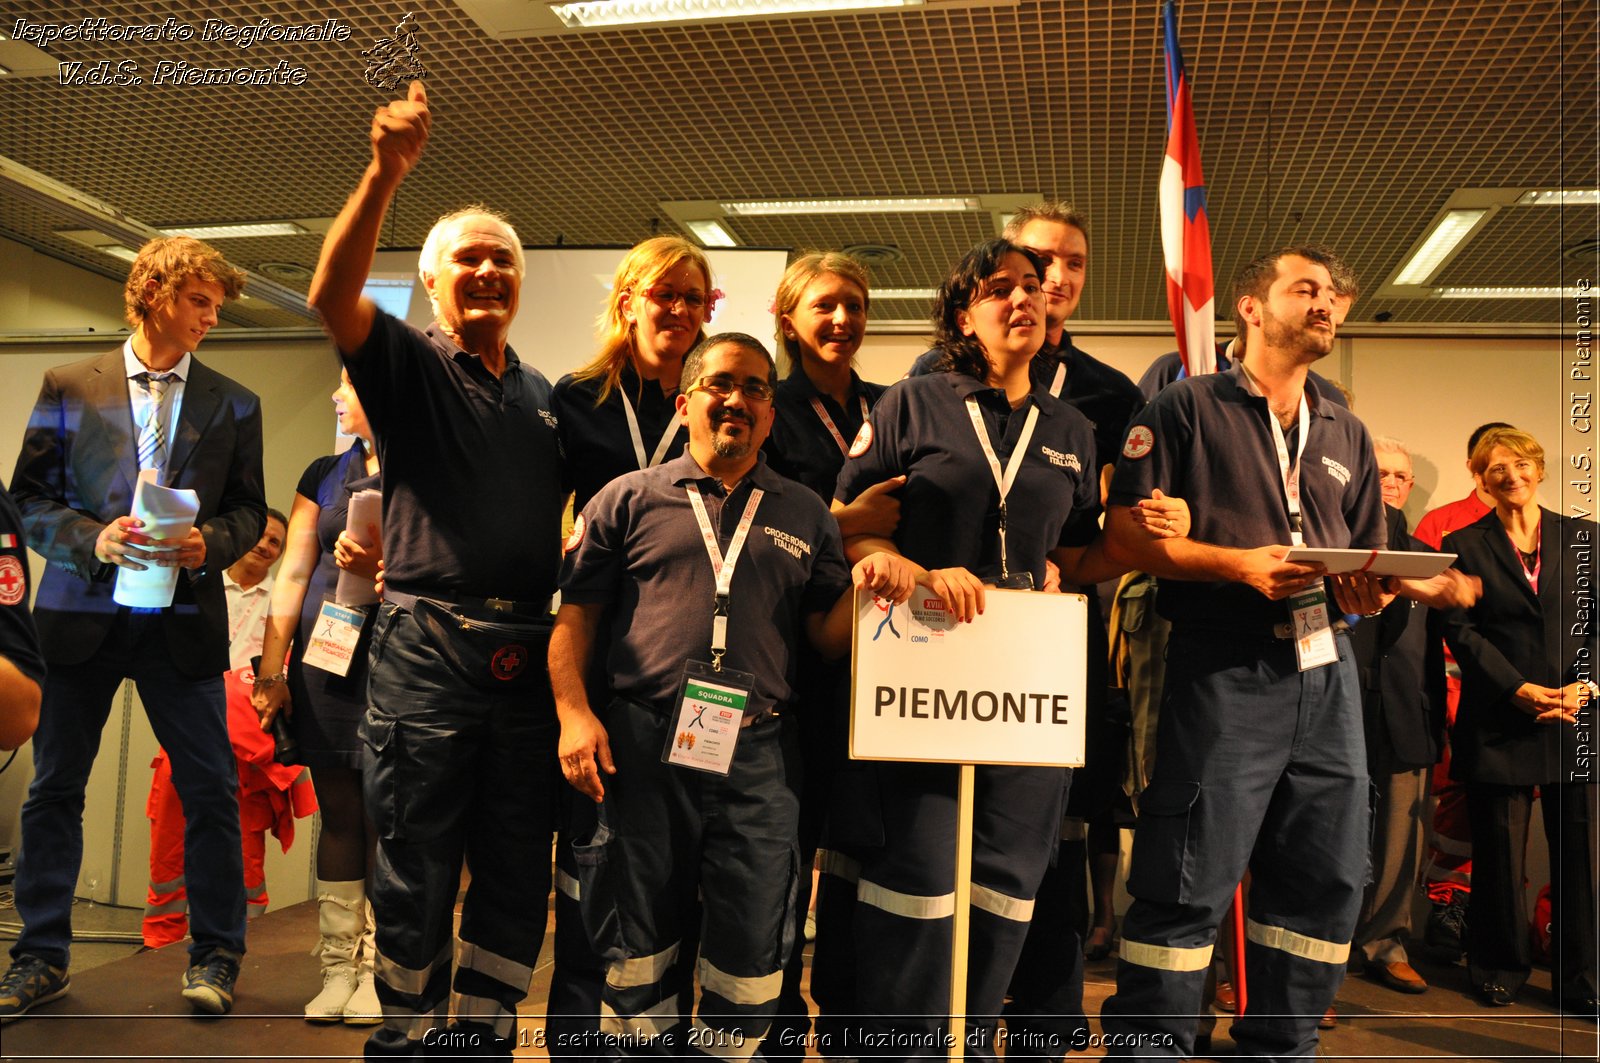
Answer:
x=1263 y=766
x=189 y=718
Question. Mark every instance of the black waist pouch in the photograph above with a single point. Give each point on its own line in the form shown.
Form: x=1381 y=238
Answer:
x=499 y=652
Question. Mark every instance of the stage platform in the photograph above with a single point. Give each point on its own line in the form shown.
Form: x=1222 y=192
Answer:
x=128 y=1008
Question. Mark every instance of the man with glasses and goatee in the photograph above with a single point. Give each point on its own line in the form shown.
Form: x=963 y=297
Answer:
x=709 y=569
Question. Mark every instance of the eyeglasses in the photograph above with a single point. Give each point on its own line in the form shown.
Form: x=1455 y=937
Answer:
x=667 y=298
x=754 y=388
x=1000 y=288
x=1397 y=477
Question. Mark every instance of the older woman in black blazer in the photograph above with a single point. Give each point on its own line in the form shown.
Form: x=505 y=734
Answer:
x=1526 y=720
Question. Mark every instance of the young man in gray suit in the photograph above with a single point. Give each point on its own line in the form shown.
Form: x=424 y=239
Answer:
x=97 y=425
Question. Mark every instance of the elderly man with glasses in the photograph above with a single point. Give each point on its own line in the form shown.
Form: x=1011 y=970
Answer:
x=1402 y=700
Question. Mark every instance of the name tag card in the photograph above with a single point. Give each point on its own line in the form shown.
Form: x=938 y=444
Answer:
x=333 y=640
x=1314 y=645
x=709 y=716
x=1004 y=689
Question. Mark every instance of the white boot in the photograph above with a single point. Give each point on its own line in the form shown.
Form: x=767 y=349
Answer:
x=339 y=918
x=363 y=1009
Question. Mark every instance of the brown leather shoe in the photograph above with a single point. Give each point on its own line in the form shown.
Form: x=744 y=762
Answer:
x=1329 y=1020
x=1227 y=1001
x=1398 y=976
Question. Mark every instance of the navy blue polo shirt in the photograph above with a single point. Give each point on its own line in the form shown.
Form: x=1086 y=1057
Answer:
x=800 y=445
x=1102 y=393
x=1169 y=367
x=595 y=437
x=1206 y=439
x=473 y=488
x=639 y=551
x=950 y=504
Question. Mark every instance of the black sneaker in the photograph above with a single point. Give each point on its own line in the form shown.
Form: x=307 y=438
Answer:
x=30 y=981
x=208 y=985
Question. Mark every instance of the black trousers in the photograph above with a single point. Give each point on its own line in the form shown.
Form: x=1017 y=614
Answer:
x=1498 y=945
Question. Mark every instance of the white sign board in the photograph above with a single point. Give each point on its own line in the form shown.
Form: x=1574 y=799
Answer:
x=1004 y=689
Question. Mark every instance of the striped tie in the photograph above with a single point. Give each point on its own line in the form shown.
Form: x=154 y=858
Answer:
x=153 y=438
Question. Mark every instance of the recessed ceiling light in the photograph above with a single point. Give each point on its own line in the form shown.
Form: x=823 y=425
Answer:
x=1447 y=235
x=284 y=271
x=915 y=205
x=1551 y=292
x=99 y=241
x=238 y=230
x=711 y=233
x=875 y=255
x=1559 y=197
x=590 y=14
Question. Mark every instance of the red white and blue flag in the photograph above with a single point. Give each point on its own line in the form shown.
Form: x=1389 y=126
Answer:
x=1185 y=231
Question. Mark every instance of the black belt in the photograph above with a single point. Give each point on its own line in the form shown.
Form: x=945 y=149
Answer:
x=506 y=606
x=1285 y=630
x=1282 y=631
x=750 y=719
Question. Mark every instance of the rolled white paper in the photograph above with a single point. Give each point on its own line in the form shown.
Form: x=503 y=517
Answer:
x=366 y=507
x=167 y=513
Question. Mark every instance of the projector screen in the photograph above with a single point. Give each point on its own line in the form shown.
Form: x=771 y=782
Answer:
x=565 y=289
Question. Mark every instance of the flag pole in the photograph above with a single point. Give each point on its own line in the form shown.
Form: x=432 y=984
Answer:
x=963 y=915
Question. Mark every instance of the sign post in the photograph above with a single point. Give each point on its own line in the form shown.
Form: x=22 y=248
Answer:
x=1006 y=689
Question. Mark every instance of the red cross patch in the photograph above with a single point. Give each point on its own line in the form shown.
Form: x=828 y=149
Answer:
x=508 y=662
x=863 y=440
x=575 y=538
x=1141 y=441
x=13 y=584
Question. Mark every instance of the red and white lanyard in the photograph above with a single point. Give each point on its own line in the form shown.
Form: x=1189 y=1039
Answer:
x=722 y=567
x=638 y=440
x=1538 y=560
x=1003 y=481
x=833 y=429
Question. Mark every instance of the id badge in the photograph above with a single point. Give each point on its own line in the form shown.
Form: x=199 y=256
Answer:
x=708 y=717
x=1017 y=581
x=1314 y=645
x=332 y=645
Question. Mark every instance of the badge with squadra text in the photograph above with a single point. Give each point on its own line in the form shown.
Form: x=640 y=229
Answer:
x=708 y=718
x=1314 y=645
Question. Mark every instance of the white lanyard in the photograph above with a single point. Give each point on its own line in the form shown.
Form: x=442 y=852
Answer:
x=638 y=440
x=1003 y=481
x=722 y=567
x=1291 y=473
x=1060 y=379
x=833 y=429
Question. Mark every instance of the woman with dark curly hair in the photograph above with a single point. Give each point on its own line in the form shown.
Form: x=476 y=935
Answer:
x=999 y=476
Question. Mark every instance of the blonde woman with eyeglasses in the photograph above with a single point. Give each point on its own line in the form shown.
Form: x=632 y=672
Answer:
x=617 y=415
